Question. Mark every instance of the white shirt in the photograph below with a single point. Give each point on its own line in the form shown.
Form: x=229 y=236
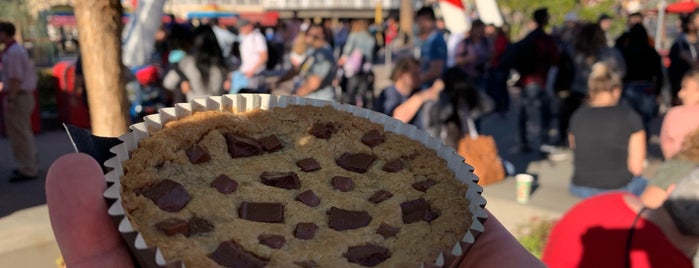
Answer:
x=225 y=40
x=16 y=64
x=251 y=45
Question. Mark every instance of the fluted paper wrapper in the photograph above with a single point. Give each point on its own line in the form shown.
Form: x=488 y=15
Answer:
x=149 y=256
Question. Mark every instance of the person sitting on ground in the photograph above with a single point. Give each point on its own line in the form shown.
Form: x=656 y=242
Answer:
x=202 y=72
x=672 y=170
x=607 y=139
x=317 y=70
x=681 y=120
x=403 y=100
x=616 y=230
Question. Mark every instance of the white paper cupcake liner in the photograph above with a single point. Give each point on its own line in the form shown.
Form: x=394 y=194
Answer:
x=148 y=256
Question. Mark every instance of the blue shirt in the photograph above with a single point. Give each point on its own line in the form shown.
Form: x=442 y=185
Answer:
x=389 y=99
x=431 y=49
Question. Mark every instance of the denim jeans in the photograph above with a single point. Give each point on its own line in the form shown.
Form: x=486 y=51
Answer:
x=636 y=186
x=640 y=96
x=534 y=116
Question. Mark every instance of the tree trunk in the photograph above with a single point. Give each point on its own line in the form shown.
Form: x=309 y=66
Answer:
x=407 y=13
x=99 y=28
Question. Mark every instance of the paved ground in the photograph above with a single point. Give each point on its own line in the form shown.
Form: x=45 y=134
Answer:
x=27 y=239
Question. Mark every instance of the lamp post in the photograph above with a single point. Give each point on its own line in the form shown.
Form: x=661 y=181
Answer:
x=662 y=4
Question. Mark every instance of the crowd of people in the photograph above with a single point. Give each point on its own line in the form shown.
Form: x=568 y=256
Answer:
x=602 y=93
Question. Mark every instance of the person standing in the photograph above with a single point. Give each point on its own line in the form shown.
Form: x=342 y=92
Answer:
x=19 y=82
x=202 y=72
x=473 y=54
x=605 y=22
x=317 y=70
x=433 y=48
x=588 y=48
x=683 y=54
x=644 y=75
x=358 y=54
x=225 y=39
x=253 y=55
x=537 y=53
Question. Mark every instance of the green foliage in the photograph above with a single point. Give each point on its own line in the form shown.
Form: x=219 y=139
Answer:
x=518 y=12
x=46 y=88
x=534 y=235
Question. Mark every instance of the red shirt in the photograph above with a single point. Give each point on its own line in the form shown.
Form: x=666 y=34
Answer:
x=594 y=234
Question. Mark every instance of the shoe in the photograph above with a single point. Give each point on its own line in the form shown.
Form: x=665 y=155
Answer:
x=22 y=178
x=554 y=153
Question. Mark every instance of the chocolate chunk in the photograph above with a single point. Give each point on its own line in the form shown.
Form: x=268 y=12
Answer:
x=422 y=186
x=431 y=215
x=199 y=226
x=230 y=254
x=168 y=195
x=241 y=146
x=343 y=184
x=305 y=230
x=224 y=184
x=271 y=143
x=380 y=196
x=285 y=180
x=340 y=219
x=308 y=165
x=272 y=241
x=307 y=264
x=359 y=162
x=393 y=166
x=372 y=138
x=262 y=212
x=197 y=154
x=414 y=210
x=387 y=231
x=367 y=255
x=309 y=198
x=173 y=226
x=322 y=130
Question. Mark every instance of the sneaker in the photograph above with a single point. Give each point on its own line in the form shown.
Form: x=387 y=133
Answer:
x=19 y=177
x=554 y=153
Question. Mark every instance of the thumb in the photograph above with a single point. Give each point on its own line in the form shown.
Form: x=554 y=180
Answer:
x=84 y=231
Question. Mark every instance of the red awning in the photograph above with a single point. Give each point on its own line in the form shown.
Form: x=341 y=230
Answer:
x=269 y=18
x=61 y=20
x=685 y=6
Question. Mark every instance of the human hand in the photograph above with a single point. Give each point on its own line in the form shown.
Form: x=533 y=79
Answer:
x=249 y=74
x=438 y=85
x=496 y=247
x=227 y=85
x=432 y=93
x=185 y=87
x=85 y=234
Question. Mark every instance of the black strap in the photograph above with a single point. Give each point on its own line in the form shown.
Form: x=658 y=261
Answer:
x=629 y=239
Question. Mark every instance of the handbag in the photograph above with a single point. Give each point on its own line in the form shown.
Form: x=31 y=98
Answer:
x=353 y=64
x=481 y=152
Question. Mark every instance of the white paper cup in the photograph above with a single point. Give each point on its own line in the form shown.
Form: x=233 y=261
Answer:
x=149 y=256
x=524 y=187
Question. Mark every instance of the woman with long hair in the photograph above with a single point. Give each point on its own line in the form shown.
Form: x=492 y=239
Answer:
x=202 y=72
x=589 y=47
